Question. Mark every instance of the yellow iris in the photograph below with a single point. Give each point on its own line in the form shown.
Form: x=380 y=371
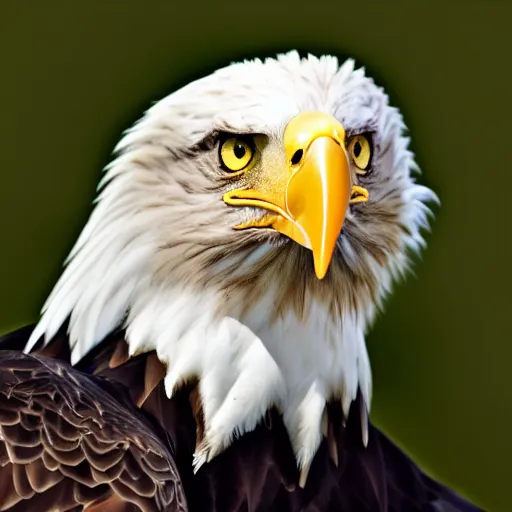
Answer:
x=361 y=151
x=236 y=154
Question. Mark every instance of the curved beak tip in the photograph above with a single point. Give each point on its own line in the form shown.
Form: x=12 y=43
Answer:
x=322 y=258
x=320 y=271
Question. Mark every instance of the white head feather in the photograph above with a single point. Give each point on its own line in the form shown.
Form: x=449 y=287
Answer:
x=152 y=255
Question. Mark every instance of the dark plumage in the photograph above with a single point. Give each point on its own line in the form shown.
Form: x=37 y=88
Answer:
x=72 y=437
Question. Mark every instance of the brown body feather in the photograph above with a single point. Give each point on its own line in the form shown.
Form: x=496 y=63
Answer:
x=74 y=439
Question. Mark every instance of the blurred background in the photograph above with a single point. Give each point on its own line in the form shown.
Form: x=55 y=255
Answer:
x=74 y=75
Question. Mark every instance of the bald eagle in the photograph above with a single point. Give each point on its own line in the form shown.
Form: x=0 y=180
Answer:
x=204 y=347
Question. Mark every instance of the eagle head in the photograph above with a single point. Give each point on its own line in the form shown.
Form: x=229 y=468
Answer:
x=247 y=230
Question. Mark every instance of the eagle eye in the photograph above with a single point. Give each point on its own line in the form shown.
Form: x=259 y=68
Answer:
x=236 y=153
x=360 y=150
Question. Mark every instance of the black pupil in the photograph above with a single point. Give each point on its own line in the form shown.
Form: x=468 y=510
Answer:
x=357 y=149
x=239 y=150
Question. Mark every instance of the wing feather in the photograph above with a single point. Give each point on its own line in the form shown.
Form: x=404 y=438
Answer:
x=71 y=440
x=104 y=436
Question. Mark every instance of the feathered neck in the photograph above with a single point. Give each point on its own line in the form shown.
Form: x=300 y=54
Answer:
x=246 y=359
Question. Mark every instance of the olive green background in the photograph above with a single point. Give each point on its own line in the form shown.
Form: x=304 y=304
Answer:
x=73 y=75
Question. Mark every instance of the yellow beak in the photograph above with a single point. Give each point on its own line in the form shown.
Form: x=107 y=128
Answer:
x=310 y=200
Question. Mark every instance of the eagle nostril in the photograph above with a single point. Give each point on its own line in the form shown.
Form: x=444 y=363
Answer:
x=297 y=157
